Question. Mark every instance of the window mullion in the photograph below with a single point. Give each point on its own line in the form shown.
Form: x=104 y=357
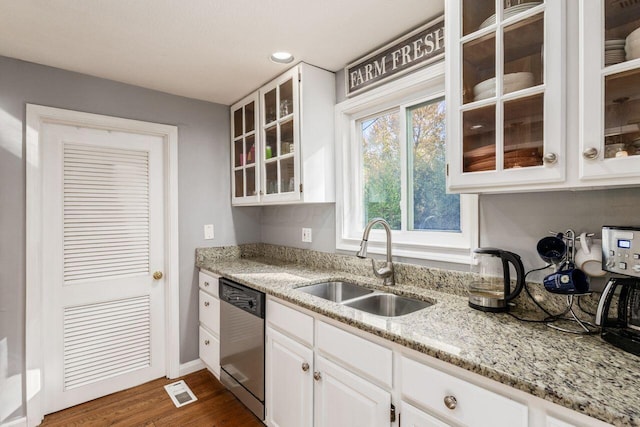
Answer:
x=404 y=182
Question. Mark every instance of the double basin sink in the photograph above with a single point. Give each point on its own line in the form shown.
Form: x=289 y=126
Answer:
x=365 y=299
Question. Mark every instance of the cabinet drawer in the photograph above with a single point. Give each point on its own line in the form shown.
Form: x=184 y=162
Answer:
x=209 y=349
x=292 y=322
x=209 y=312
x=369 y=359
x=208 y=282
x=474 y=406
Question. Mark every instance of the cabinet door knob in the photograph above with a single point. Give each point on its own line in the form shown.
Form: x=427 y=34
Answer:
x=157 y=275
x=206 y=284
x=206 y=342
x=590 y=153
x=206 y=303
x=305 y=367
x=450 y=402
x=550 y=158
x=317 y=376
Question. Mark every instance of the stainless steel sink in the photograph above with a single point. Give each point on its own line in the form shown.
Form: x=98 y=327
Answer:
x=336 y=291
x=388 y=305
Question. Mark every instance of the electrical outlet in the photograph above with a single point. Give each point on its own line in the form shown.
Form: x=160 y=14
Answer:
x=208 y=231
x=306 y=235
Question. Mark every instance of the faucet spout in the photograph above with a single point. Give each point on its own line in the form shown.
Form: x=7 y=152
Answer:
x=385 y=272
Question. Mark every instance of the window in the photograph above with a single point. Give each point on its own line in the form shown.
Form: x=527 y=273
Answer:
x=392 y=164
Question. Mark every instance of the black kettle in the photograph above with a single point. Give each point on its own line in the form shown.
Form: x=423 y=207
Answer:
x=490 y=287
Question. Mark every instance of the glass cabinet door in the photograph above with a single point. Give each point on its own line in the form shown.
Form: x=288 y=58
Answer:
x=502 y=85
x=244 y=151
x=279 y=122
x=611 y=89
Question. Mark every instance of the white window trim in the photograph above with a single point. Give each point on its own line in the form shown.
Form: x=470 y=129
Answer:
x=413 y=89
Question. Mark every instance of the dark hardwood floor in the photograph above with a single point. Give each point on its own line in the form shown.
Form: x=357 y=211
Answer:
x=149 y=405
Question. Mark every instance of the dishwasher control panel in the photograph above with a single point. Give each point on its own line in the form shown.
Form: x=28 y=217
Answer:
x=240 y=296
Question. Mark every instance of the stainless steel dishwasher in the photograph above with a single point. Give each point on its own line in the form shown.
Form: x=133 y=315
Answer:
x=242 y=343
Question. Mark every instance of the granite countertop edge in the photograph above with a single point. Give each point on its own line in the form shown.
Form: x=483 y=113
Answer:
x=235 y=270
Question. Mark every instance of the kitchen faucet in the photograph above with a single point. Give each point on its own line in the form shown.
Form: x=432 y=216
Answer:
x=385 y=272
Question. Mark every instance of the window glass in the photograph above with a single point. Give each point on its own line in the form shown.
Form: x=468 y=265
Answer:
x=382 y=168
x=431 y=207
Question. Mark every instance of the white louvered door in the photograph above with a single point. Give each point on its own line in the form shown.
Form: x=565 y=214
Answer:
x=103 y=236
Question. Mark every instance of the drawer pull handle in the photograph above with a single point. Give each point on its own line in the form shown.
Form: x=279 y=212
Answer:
x=305 y=367
x=206 y=303
x=317 y=376
x=206 y=342
x=206 y=283
x=450 y=402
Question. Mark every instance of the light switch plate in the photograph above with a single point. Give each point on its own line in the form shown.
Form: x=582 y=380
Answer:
x=306 y=235
x=208 y=231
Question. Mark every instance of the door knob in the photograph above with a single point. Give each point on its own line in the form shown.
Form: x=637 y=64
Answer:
x=206 y=342
x=206 y=303
x=157 y=275
x=317 y=376
x=305 y=366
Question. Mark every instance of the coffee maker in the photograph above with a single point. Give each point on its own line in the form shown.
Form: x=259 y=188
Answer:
x=619 y=307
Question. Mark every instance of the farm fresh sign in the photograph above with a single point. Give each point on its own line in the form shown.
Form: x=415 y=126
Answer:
x=418 y=48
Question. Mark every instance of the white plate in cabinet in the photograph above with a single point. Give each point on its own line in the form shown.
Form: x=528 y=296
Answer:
x=288 y=382
x=411 y=416
x=209 y=312
x=343 y=399
x=209 y=350
x=453 y=398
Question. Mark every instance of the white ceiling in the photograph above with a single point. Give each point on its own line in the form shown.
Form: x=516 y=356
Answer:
x=215 y=50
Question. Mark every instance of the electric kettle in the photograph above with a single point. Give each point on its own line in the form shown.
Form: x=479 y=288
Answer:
x=490 y=286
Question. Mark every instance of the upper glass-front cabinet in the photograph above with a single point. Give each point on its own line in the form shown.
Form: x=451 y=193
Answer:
x=245 y=172
x=504 y=88
x=282 y=141
x=279 y=126
x=610 y=91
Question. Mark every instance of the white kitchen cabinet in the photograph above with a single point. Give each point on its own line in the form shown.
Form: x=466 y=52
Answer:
x=209 y=317
x=286 y=153
x=554 y=422
x=505 y=94
x=453 y=398
x=610 y=92
x=289 y=381
x=317 y=385
x=245 y=172
x=410 y=416
x=343 y=399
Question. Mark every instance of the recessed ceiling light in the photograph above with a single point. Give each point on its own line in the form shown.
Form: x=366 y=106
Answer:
x=282 y=57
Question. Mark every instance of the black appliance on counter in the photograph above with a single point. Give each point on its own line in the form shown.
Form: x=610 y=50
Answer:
x=619 y=307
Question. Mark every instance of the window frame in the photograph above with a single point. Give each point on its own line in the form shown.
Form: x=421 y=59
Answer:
x=409 y=91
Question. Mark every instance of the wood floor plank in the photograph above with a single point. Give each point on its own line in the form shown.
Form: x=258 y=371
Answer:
x=149 y=405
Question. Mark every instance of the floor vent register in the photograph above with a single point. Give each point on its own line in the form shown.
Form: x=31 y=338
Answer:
x=180 y=393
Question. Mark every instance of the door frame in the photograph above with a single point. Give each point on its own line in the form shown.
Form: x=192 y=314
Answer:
x=36 y=117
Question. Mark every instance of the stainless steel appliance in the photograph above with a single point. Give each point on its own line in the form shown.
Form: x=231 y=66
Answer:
x=619 y=307
x=242 y=343
x=490 y=288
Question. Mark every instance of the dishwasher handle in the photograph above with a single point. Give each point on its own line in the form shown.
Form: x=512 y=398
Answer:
x=243 y=297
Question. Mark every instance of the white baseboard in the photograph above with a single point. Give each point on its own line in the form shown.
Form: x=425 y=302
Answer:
x=20 y=422
x=189 y=367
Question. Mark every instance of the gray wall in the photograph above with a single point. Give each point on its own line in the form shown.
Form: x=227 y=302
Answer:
x=203 y=151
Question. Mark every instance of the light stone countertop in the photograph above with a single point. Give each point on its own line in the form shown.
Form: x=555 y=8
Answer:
x=580 y=372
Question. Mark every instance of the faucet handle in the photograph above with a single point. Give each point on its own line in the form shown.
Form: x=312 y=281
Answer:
x=385 y=273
